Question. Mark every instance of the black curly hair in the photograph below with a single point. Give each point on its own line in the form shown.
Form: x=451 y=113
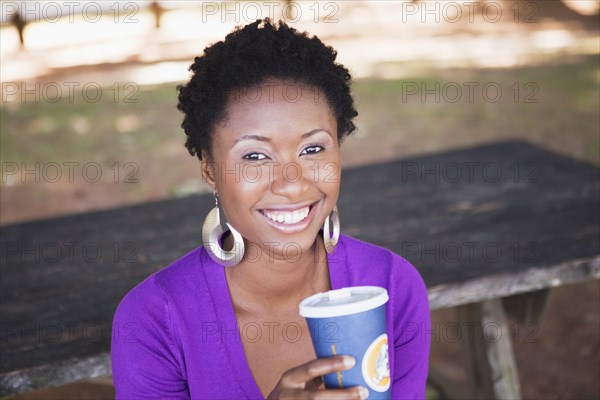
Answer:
x=249 y=56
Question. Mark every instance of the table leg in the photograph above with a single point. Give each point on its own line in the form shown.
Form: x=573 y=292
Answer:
x=487 y=348
x=526 y=308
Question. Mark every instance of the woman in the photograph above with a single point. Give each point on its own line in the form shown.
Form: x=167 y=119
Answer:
x=265 y=112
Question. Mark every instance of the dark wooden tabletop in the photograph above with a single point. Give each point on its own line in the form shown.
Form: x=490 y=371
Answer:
x=488 y=221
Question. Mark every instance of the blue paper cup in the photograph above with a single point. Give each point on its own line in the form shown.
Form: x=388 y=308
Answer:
x=351 y=321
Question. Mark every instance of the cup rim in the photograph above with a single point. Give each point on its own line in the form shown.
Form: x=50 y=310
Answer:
x=309 y=310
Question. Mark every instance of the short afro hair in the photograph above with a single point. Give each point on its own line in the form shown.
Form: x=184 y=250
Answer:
x=249 y=56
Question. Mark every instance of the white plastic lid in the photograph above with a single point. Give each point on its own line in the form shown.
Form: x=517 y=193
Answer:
x=345 y=301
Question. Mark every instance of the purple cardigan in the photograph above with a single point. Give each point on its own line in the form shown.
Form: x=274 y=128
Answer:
x=175 y=334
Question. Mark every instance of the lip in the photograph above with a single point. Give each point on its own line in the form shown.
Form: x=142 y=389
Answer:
x=292 y=228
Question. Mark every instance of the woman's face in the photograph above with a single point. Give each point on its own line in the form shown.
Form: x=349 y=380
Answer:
x=276 y=166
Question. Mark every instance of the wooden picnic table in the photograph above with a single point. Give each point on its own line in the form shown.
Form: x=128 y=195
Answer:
x=481 y=224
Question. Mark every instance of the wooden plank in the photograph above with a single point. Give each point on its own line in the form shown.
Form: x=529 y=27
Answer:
x=488 y=352
x=509 y=284
x=451 y=230
x=56 y=374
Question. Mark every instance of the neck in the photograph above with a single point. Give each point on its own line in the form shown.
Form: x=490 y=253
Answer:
x=277 y=283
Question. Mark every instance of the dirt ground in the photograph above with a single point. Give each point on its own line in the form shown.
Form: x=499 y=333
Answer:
x=557 y=358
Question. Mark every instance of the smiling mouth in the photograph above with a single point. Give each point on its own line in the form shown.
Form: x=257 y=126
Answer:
x=288 y=217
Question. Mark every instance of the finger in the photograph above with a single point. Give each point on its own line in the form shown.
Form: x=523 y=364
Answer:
x=355 y=393
x=297 y=377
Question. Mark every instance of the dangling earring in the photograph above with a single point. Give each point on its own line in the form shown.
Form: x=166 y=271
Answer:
x=211 y=233
x=331 y=241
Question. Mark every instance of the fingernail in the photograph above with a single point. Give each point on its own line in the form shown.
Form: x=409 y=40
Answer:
x=364 y=393
x=349 y=361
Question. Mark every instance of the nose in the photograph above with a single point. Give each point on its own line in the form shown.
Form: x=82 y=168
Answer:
x=291 y=180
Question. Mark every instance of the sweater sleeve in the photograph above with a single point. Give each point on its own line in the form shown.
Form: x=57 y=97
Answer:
x=411 y=327
x=144 y=360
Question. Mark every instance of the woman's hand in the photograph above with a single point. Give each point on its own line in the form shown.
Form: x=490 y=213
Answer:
x=303 y=382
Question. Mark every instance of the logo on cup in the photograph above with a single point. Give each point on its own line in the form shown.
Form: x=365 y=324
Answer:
x=376 y=364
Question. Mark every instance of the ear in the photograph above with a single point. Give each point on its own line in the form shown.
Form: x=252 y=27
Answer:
x=208 y=170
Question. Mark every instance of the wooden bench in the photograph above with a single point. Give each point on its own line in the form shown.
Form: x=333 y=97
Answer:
x=481 y=224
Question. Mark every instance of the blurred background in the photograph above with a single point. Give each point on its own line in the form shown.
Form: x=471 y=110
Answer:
x=90 y=86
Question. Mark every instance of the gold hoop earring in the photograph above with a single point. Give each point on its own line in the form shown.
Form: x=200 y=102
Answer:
x=211 y=233
x=331 y=241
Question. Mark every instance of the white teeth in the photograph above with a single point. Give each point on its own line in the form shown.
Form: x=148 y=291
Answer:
x=289 y=218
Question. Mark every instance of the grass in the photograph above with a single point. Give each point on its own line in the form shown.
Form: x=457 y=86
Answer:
x=555 y=106
x=105 y=130
x=561 y=114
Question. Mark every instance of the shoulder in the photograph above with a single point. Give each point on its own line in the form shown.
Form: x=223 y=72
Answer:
x=363 y=255
x=367 y=263
x=160 y=287
x=359 y=246
x=147 y=352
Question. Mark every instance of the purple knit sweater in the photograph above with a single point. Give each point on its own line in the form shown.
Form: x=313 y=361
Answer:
x=175 y=334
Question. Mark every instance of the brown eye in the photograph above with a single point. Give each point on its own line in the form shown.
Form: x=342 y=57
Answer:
x=254 y=156
x=312 y=150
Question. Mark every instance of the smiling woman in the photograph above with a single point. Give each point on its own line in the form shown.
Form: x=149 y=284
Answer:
x=265 y=112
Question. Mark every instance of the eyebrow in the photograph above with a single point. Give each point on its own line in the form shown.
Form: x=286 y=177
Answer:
x=266 y=139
